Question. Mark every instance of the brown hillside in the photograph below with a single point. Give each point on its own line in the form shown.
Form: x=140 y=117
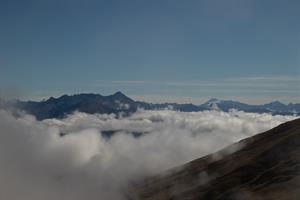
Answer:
x=266 y=166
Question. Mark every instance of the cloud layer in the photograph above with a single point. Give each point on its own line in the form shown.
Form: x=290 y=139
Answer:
x=36 y=162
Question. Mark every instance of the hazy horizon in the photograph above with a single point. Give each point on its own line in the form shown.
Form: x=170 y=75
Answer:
x=155 y=99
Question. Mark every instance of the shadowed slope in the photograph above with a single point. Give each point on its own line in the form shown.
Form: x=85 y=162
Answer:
x=266 y=166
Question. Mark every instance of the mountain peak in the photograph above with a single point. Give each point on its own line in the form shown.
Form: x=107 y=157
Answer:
x=120 y=96
x=51 y=99
x=213 y=100
x=212 y=104
x=275 y=103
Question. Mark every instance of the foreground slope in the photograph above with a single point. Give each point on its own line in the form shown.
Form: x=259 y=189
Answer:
x=266 y=166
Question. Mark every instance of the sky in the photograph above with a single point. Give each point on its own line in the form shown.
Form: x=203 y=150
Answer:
x=153 y=50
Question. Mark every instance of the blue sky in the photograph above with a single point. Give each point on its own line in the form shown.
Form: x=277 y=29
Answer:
x=156 y=50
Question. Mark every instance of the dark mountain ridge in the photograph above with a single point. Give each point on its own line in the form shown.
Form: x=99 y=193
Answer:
x=88 y=103
x=119 y=103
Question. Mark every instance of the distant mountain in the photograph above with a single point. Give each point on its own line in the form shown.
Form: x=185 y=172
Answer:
x=120 y=103
x=88 y=103
x=226 y=105
x=275 y=107
x=265 y=166
x=170 y=106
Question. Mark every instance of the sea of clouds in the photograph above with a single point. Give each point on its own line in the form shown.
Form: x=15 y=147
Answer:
x=69 y=159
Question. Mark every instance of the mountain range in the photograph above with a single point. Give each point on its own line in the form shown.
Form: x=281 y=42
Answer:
x=265 y=166
x=119 y=103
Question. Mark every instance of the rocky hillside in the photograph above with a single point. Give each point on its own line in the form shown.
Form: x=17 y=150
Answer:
x=266 y=166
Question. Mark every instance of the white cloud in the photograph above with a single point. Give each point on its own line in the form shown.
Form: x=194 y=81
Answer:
x=36 y=163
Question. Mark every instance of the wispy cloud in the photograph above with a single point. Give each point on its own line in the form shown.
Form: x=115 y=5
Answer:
x=268 y=78
x=259 y=80
x=255 y=89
